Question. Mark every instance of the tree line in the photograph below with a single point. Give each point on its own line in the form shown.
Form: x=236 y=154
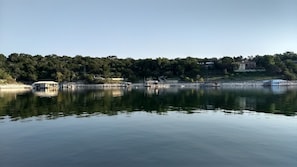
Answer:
x=28 y=68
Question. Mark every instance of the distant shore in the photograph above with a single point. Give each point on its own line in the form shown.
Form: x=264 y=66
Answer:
x=73 y=86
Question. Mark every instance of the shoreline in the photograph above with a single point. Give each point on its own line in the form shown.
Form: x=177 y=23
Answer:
x=238 y=84
x=218 y=84
x=15 y=87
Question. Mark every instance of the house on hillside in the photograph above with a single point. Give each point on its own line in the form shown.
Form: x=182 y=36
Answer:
x=113 y=80
x=248 y=66
x=207 y=63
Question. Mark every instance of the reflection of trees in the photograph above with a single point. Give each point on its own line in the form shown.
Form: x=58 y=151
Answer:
x=112 y=102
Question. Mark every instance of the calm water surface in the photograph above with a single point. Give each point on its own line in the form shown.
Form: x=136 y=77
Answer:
x=187 y=127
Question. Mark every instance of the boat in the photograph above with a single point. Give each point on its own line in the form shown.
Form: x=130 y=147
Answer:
x=155 y=84
x=45 y=85
x=277 y=82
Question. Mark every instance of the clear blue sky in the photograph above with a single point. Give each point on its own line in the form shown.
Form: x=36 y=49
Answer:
x=148 y=28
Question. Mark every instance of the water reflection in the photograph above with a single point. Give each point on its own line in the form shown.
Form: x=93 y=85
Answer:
x=46 y=92
x=19 y=105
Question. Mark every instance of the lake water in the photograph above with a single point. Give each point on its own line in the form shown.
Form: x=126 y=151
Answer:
x=167 y=127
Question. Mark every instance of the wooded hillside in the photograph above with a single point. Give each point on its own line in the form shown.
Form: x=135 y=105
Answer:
x=27 y=68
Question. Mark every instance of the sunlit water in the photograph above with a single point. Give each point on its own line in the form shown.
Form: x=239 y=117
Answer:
x=140 y=128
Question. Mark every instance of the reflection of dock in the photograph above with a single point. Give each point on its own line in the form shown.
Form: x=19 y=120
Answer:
x=108 y=93
x=151 y=91
x=46 y=93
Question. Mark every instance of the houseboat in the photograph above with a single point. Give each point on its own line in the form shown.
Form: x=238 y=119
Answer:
x=45 y=85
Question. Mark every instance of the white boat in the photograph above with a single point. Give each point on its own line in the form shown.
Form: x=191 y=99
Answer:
x=277 y=82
